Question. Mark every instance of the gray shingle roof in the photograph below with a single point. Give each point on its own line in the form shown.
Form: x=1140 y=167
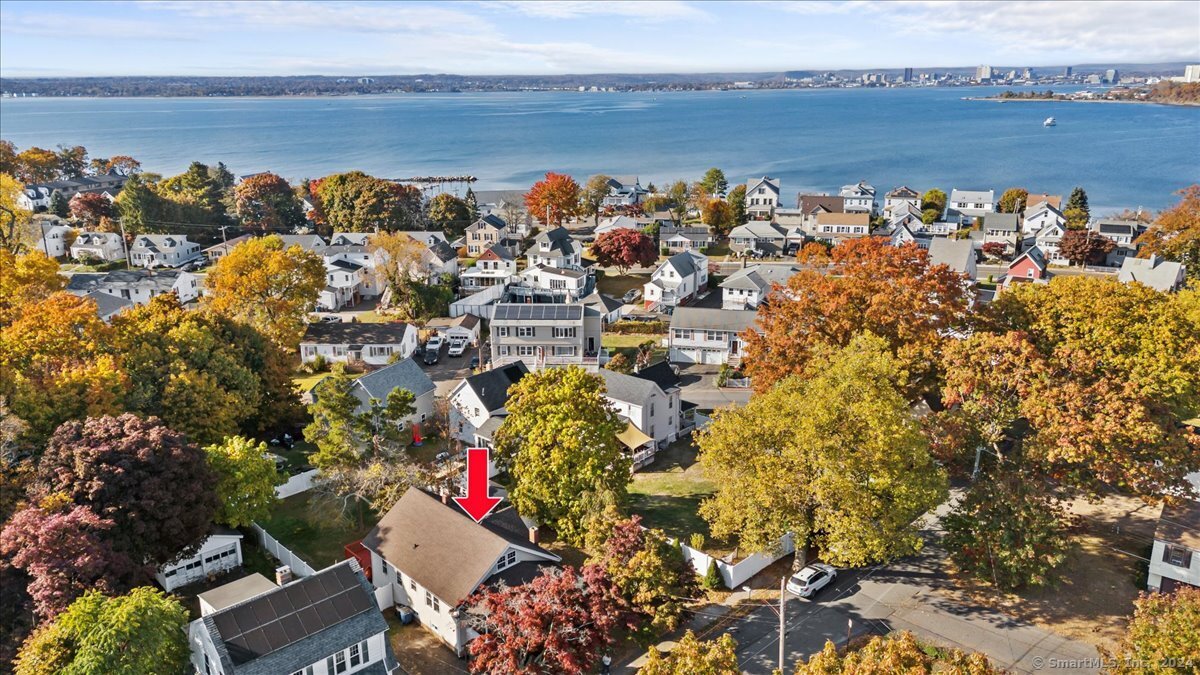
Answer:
x=1004 y=222
x=759 y=277
x=973 y=196
x=404 y=374
x=713 y=319
x=344 y=333
x=684 y=263
x=954 y=253
x=1156 y=273
x=492 y=386
x=662 y=373
x=627 y=388
x=107 y=304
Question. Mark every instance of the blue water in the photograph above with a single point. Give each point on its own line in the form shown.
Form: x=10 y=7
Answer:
x=1124 y=155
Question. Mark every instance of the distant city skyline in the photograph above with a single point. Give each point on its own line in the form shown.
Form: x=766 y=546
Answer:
x=49 y=39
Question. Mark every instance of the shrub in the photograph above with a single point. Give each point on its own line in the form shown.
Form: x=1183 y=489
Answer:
x=712 y=578
x=724 y=374
x=696 y=541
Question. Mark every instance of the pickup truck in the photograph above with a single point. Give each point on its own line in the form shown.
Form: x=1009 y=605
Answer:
x=434 y=343
x=457 y=347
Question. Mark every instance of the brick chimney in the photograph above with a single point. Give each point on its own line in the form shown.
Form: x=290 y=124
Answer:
x=283 y=575
x=533 y=534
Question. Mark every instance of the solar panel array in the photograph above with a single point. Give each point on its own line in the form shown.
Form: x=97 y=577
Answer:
x=280 y=618
x=526 y=312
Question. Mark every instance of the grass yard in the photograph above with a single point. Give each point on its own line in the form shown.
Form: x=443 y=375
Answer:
x=317 y=535
x=667 y=494
x=629 y=341
x=304 y=383
x=617 y=285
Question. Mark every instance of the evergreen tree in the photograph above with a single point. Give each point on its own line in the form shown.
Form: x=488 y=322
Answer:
x=59 y=205
x=472 y=204
x=1079 y=200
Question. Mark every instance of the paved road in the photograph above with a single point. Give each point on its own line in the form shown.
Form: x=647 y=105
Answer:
x=900 y=596
x=698 y=385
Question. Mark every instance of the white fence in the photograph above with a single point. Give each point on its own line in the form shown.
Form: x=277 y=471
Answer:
x=296 y=484
x=282 y=554
x=478 y=304
x=734 y=575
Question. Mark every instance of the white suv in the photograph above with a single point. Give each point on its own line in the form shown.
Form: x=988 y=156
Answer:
x=457 y=347
x=811 y=579
x=434 y=343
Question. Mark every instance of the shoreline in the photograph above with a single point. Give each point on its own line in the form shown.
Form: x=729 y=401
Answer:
x=997 y=99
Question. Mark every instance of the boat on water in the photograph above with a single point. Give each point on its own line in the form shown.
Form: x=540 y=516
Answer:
x=1050 y=121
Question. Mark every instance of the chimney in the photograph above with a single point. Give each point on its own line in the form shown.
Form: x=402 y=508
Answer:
x=283 y=575
x=533 y=534
x=445 y=496
x=1153 y=260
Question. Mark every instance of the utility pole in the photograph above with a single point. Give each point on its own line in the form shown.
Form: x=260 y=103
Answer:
x=224 y=241
x=124 y=242
x=782 y=619
x=45 y=246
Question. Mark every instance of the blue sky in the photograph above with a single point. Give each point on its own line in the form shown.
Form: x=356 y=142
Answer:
x=359 y=37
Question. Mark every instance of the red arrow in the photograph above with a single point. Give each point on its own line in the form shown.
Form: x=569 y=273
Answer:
x=478 y=503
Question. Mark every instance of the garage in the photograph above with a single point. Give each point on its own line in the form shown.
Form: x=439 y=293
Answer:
x=221 y=552
x=684 y=355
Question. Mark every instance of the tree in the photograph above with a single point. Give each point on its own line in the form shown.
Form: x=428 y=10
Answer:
x=1161 y=637
x=624 y=248
x=8 y=157
x=1009 y=530
x=895 y=653
x=450 y=214
x=137 y=205
x=472 y=203
x=994 y=249
x=58 y=205
x=356 y=202
x=712 y=577
x=1079 y=200
x=553 y=199
x=559 y=441
x=558 y=623
x=649 y=572
x=837 y=459
x=737 y=204
x=89 y=207
x=196 y=193
x=24 y=280
x=714 y=182
x=346 y=432
x=930 y=216
x=1082 y=247
x=13 y=218
x=267 y=286
x=123 y=165
x=58 y=363
x=142 y=632
x=591 y=198
x=1175 y=234
x=677 y=199
x=718 y=215
x=266 y=201
x=923 y=304
x=403 y=255
x=619 y=363
x=36 y=165
x=73 y=161
x=148 y=480
x=1013 y=200
x=246 y=480
x=934 y=199
x=692 y=656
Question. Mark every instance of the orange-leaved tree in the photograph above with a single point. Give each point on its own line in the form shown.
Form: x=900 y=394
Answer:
x=1175 y=234
x=556 y=198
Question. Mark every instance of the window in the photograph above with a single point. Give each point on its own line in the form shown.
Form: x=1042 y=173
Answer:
x=207 y=665
x=558 y=285
x=652 y=408
x=525 y=350
x=712 y=335
x=355 y=656
x=412 y=584
x=564 y=332
x=1178 y=556
x=525 y=331
x=564 y=351
x=379 y=351
x=365 y=652
x=683 y=334
x=502 y=331
x=437 y=605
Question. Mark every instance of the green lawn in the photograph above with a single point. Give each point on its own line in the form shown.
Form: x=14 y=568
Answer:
x=307 y=382
x=318 y=534
x=373 y=317
x=718 y=249
x=667 y=494
x=617 y=285
x=630 y=341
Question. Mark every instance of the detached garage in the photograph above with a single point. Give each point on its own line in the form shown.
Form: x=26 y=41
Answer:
x=220 y=553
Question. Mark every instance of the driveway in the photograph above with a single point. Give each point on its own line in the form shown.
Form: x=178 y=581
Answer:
x=698 y=385
x=450 y=370
x=899 y=596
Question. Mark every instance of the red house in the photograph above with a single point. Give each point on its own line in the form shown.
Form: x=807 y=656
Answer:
x=1029 y=265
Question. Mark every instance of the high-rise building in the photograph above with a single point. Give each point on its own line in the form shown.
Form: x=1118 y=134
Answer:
x=908 y=75
x=1027 y=73
x=1067 y=71
x=1112 y=76
x=1191 y=74
x=983 y=74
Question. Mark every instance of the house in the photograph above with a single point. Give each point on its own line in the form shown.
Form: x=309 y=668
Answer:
x=555 y=248
x=748 y=287
x=677 y=280
x=966 y=204
x=1052 y=200
x=709 y=336
x=901 y=195
x=320 y=625
x=137 y=286
x=762 y=197
x=1029 y=265
x=679 y=239
x=813 y=205
x=1039 y=215
x=232 y=593
x=489 y=231
x=220 y=553
x=431 y=556
x=648 y=408
x=215 y=253
x=309 y=242
x=464 y=327
x=37 y=196
x=53 y=236
x=404 y=374
x=957 y=254
x=768 y=238
x=618 y=222
x=624 y=191
x=163 y=250
x=1159 y=274
x=859 y=198
x=901 y=234
x=545 y=335
x=607 y=306
x=107 y=305
x=495 y=266
x=1048 y=239
x=1002 y=228
x=842 y=225
x=1175 y=558
x=791 y=220
x=99 y=246
x=482 y=397
x=372 y=343
x=558 y=284
x=1124 y=233
x=344 y=281
x=437 y=260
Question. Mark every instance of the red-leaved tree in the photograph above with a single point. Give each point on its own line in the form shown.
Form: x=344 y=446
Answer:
x=556 y=196
x=63 y=550
x=558 y=623
x=88 y=208
x=624 y=248
x=994 y=249
x=1082 y=247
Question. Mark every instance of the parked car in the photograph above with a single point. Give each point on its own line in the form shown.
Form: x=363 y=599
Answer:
x=811 y=579
x=431 y=356
x=474 y=362
x=331 y=319
x=457 y=347
x=441 y=457
x=434 y=343
x=631 y=295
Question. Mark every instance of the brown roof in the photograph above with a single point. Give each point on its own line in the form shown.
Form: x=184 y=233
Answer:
x=442 y=548
x=1052 y=200
x=1179 y=524
x=831 y=203
x=843 y=219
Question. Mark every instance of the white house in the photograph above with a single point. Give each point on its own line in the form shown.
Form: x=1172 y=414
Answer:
x=758 y=236
x=431 y=557
x=495 y=266
x=859 y=198
x=404 y=374
x=957 y=254
x=372 y=343
x=565 y=284
x=677 y=280
x=618 y=222
x=749 y=286
x=1048 y=239
x=648 y=408
x=848 y=225
x=37 y=196
x=677 y=239
x=52 y=237
x=481 y=397
x=1124 y=233
x=554 y=248
x=901 y=195
x=325 y=624
x=163 y=250
x=762 y=197
x=1175 y=558
x=108 y=306
x=101 y=246
x=709 y=336
x=970 y=204
x=546 y=335
x=462 y=327
x=1159 y=274
x=137 y=286
x=220 y=553
x=1040 y=215
x=624 y=191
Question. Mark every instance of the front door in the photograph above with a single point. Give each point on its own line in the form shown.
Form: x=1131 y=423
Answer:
x=591 y=345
